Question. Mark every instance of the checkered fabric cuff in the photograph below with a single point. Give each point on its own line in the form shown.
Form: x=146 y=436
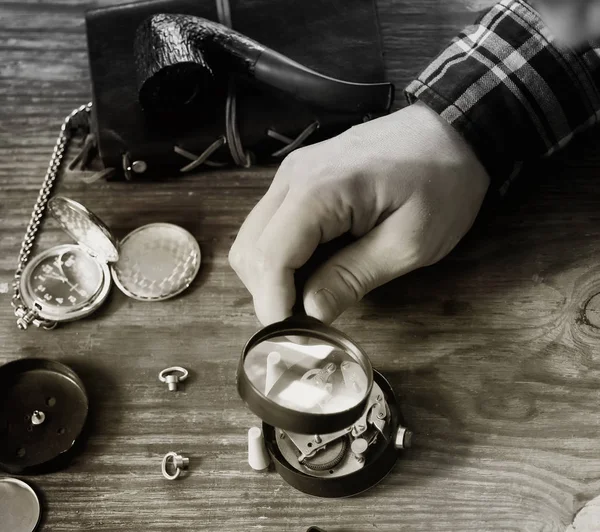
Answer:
x=512 y=92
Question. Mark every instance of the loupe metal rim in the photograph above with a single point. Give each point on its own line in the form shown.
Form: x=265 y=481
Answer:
x=285 y=418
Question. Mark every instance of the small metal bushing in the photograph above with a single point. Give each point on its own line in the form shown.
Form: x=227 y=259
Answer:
x=359 y=447
x=172 y=381
x=403 y=438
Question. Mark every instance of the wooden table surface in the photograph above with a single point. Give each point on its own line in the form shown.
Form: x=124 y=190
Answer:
x=491 y=352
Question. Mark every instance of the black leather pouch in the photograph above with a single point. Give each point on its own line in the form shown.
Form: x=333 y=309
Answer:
x=240 y=121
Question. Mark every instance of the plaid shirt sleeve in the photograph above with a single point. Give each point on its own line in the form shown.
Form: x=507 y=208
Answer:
x=510 y=90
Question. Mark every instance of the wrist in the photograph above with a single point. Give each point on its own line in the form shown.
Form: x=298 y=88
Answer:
x=438 y=137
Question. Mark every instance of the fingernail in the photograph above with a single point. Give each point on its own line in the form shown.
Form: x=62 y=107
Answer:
x=322 y=305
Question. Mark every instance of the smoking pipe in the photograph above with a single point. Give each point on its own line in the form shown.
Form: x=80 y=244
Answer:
x=177 y=56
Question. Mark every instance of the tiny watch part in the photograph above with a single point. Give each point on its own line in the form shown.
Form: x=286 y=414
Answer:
x=173 y=376
x=258 y=457
x=175 y=462
x=70 y=281
x=43 y=413
x=19 y=506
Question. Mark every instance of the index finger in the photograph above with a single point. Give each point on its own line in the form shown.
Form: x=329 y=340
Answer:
x=287 y=242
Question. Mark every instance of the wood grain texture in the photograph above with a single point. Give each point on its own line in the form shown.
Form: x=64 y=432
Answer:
x=495 y=365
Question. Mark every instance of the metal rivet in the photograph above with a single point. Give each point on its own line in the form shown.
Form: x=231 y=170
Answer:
x=139 y=167
x=403 y=438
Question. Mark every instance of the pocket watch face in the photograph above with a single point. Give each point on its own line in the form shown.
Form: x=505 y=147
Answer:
x=68 y=278
x=65 y=283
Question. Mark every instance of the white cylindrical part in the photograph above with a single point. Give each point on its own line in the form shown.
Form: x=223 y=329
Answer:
x=275 y=369
x=258 y=457
x=359 y=446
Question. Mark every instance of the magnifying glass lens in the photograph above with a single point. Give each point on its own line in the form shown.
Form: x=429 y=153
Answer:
x=308 y=375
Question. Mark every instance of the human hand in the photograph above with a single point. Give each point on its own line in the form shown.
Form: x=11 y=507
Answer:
x=407 y=185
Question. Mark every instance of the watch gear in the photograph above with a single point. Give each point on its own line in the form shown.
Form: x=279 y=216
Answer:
x=328 y=456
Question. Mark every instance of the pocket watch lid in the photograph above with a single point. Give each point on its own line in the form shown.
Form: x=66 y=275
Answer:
x=84 y=227
x=19 y=506
x=303 y=376
x=156 y=262
x=43 y=411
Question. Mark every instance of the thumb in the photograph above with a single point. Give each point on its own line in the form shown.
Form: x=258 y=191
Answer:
x=350 y=274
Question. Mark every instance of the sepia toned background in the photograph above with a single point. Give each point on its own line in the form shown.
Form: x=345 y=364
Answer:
x=493 y=353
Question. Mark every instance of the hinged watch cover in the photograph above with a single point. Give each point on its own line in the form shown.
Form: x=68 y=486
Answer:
x=85 y=228
x=336 y=39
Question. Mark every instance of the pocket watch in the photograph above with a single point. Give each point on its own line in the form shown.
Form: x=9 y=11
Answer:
x=70 y=281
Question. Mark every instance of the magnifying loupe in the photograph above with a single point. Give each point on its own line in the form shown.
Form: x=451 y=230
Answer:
x=331 y=423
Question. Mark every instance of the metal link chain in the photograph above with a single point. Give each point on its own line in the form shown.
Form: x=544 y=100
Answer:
x=26 y=316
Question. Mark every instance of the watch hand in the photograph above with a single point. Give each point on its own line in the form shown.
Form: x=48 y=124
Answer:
x=58 y=263
x=63 y=279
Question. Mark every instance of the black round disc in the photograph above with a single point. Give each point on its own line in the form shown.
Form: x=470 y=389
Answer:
x=43 y=410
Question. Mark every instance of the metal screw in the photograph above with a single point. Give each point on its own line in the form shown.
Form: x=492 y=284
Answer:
x=378 y=398
x=171 y=380
x=38 y=417
x=317 y=438
x=139 y=167
x=380 y=415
